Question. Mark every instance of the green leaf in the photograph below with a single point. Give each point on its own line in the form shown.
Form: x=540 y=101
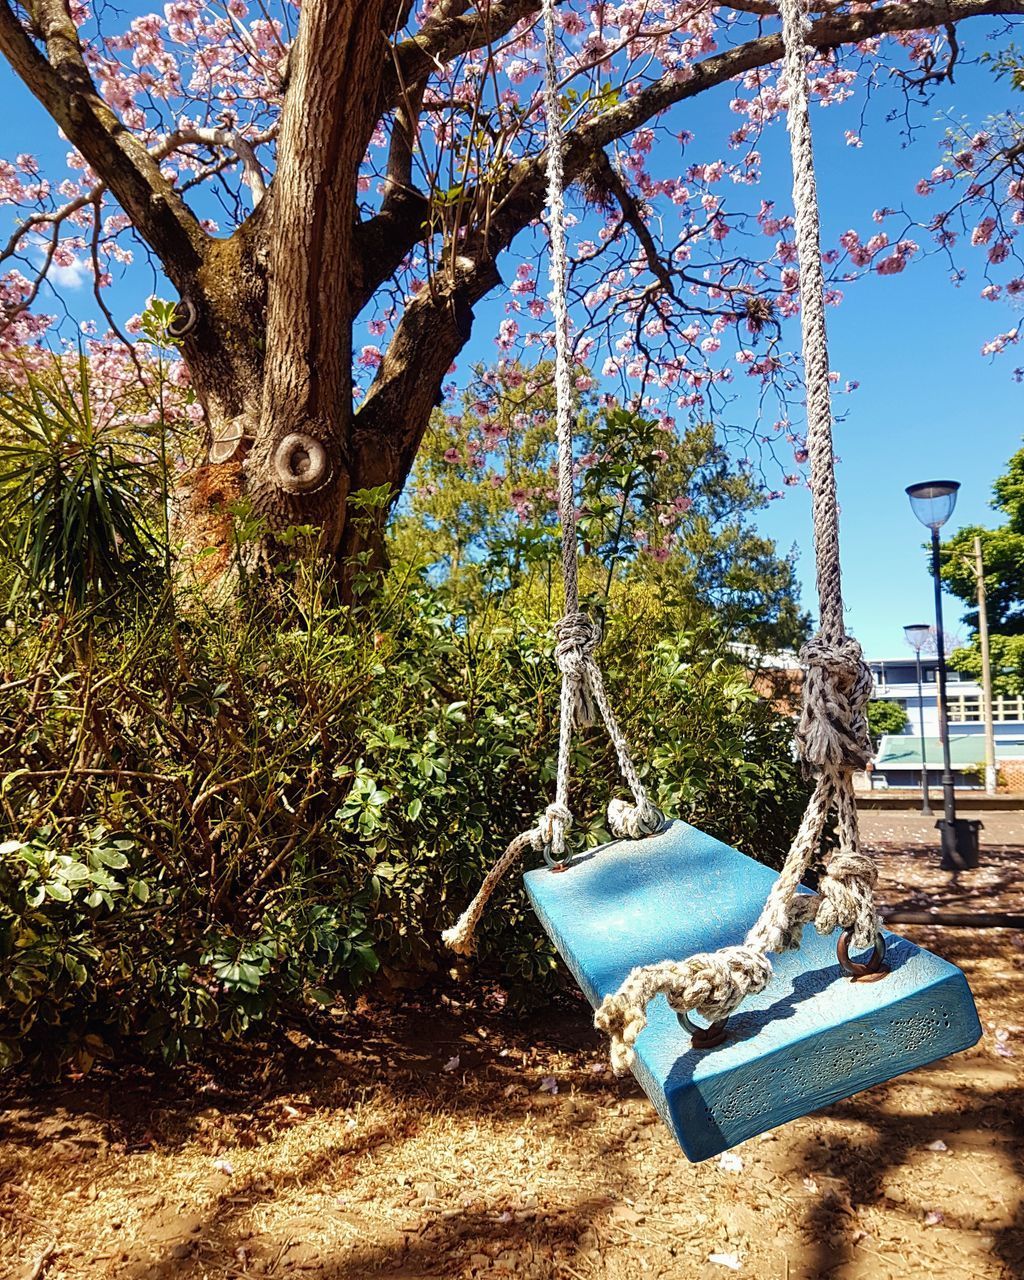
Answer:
x=112 y=858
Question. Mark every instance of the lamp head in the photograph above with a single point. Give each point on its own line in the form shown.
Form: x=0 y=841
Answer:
x=917 y=634
x=933 y=501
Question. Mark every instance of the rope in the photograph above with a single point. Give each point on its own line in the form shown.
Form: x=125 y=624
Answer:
x=832 y=736
x=832 y=732
x=583 y=700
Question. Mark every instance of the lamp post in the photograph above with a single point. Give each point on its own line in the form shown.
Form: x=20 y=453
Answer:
x=932 y=502
x=917 y=633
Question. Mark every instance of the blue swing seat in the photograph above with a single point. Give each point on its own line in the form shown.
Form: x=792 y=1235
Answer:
x=811 y=1038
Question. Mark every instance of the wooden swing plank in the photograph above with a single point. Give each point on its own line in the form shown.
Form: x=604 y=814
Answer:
x=811 y=1038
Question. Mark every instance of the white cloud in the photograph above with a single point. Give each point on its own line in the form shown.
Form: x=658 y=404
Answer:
x=76 y=276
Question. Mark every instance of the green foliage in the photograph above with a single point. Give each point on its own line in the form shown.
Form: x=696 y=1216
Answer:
x=656 y=508
x=213 y=819
x=78 y=489
x=1007 y=63
x=885 y=717
x=219 y=820
x=1003 y=554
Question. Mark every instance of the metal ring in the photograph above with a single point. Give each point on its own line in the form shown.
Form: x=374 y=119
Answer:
x=870 y=970
x=703 y=1037
x=559 y=864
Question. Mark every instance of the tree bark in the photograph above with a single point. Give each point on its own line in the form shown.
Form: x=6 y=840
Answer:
x=298 y=469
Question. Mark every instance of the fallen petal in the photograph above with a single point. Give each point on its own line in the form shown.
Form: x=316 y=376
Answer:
x=730 y=1260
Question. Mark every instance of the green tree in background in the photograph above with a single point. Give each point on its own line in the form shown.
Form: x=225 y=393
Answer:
x=660 y=512
x=885 y=717
x=1003 y=552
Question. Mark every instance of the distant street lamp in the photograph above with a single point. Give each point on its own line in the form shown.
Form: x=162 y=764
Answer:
x=917 y=634
x=933 y=502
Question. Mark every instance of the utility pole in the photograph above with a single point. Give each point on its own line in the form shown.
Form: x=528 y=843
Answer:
x=991 y=777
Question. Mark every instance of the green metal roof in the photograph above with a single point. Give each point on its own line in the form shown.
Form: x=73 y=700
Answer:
x=903 y=751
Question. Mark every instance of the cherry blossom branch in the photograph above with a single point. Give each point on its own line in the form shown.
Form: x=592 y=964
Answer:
x=62 y=83
x=243 y=148
x=449 y=33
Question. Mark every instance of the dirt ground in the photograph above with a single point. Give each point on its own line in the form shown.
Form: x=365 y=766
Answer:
x=442 y=1137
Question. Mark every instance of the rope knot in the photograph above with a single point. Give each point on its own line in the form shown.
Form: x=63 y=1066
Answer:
x=632 y=821
x=576 y=639
x=712 y=984
x=833 y=728
x=554 y=825
x=847 y=897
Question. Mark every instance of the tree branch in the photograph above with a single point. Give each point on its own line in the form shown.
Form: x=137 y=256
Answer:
x=434 y=328
x=522 y=199
x=449 y=33
x=62 y=83
x=634 y=215
x=519 y=200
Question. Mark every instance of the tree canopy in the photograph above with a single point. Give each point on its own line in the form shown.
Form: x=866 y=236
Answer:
x=332 y=191
x=1003 y=554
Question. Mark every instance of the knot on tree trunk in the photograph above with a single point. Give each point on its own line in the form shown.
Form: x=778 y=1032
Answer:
x=301 y=464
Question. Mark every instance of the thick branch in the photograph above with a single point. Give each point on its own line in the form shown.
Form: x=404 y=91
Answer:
x=435 y=327
x=62 y=83
x=523 y=197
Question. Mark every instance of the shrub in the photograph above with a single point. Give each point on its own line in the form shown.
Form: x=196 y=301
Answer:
x=212 y=821
x=885 y=716
x=79 y=481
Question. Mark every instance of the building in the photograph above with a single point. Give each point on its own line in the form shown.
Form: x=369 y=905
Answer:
x=898 y=760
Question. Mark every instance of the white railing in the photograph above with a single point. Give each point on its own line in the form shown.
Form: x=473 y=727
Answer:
x=968 y=709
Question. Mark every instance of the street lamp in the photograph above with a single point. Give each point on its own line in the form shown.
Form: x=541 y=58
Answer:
x=933 y=502
x=917 y=634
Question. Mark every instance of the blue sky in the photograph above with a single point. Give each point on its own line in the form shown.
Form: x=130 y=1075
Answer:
x=929 y=405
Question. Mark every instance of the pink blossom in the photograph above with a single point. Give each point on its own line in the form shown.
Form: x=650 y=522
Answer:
x=508 y=331
x=982 y=233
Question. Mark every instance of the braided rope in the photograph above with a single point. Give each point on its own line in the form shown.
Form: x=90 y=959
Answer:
x=583 y=698
x=832 y=733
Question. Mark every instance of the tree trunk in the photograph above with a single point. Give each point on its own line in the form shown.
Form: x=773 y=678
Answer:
x=298 y=469
x=271 y=355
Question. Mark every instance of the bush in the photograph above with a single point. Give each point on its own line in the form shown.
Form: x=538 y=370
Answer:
x=211 y=821
x=885 y=717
